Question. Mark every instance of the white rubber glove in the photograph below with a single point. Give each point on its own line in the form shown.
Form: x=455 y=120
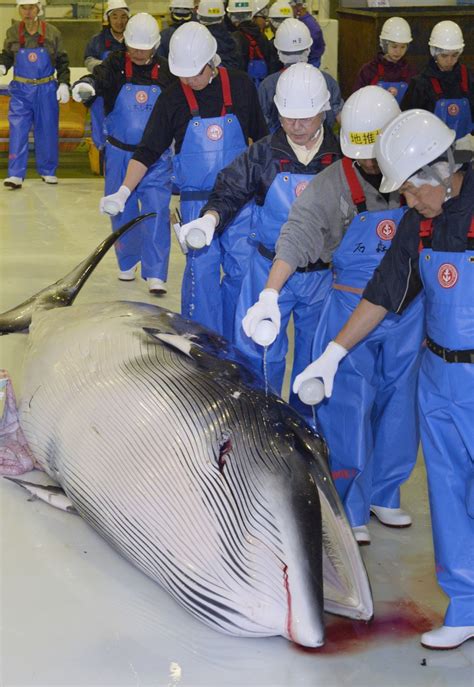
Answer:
x=115 y=202
x=324 y=367
x=3 y=70
x=62 y=94
x=266 y=308
x=206 y=224
x=82 y=92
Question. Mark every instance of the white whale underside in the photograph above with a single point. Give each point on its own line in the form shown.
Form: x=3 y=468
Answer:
x=179 y=471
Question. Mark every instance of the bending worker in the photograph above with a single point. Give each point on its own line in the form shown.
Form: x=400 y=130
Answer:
x=210 y=114
x=108 y=40
x=275 y=171
x=130 y=83
x=374 y=396
x=433 y=250
x=35 y=50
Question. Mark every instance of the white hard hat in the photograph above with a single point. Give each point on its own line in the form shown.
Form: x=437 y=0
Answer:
x=301 y=92
x=182 y=5
x=258 y=6
x=409 y=142
x=397 y=30
x=192 y=46
x=240 y=6
x=281 y=9
x=211 y=9
x=446 y=35
x=116 y=5
x=292 y=36
x=365 y=113
x=31 y=2
x=142 y=32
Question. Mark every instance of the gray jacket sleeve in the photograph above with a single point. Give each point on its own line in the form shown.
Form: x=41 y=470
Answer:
x=320 y=216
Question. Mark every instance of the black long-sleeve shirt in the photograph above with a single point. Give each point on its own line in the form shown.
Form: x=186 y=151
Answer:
x=397 y=281
x=109 y=77
x=171 y=115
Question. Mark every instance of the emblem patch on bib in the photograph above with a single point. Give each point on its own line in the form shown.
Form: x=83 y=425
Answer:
x=447 y=275
x=141 y=97
x=386 y=229
x=214 y=132
x=453 y=109
x=32 y=57
x=301 y=187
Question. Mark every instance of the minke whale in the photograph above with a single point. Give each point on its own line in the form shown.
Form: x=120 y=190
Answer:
x=166 y=443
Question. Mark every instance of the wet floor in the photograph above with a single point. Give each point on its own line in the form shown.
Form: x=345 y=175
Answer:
x=74 y=613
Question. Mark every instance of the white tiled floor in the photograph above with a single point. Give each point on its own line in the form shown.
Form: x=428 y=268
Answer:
x=74 y=613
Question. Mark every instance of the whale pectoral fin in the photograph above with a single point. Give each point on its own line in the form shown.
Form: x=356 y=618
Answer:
x=51 y=494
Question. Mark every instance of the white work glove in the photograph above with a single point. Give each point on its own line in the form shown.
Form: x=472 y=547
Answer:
x=62 y=94
x=206 y=224
x=324 y=367
x=3 y=70
x=266 y=308
x=115 y=202
x=82 y=92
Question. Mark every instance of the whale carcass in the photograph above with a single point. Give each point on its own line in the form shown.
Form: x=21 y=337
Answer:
x=167 y=444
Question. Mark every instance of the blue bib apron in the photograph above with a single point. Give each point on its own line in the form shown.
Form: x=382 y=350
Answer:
x=370 y=421
x=209 y=145
x=446 y=404
x=33 y=104
x=396 y=88
x=150 y=241
x=302 y=295
x=454 y=112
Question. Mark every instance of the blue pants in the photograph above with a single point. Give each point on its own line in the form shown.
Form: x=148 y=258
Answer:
x=207 y=296
x=33 y=106
x=150 y=241
x=370 y=422
x=302 y=296
x=446 y=402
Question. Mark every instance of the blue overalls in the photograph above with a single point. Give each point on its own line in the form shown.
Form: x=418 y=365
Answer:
x=209 y=145
x=302 y=295
x=370 y=422
x=33 y=102
x=257 y=67
x=149 y=243
x=97 y=110
x=396 y=88
x=446 y=404
x=454 y=112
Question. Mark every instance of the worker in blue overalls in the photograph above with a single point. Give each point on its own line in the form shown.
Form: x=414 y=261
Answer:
x=35 y=50
x=390 y=69
x=445 y=86
x=210 y=114
x=433 y=250
x=109 y=39
x=275 y=171
x=130 y=84
x=374 y=395
x=259 y=55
